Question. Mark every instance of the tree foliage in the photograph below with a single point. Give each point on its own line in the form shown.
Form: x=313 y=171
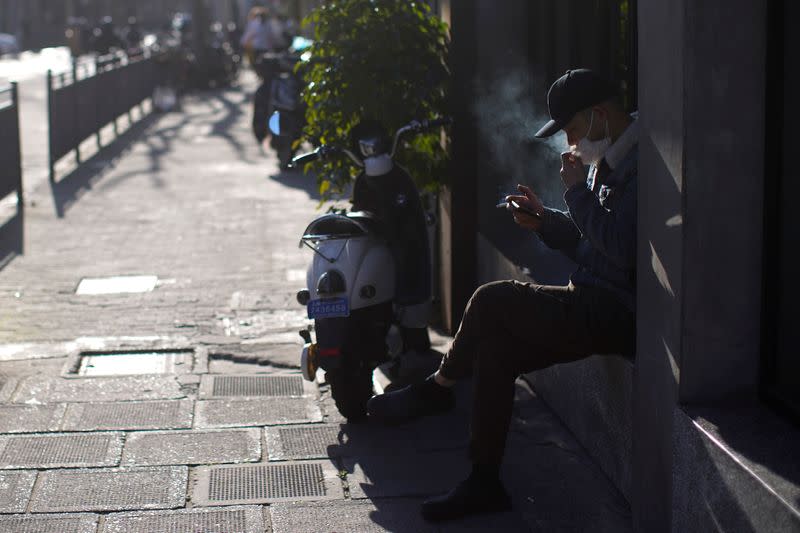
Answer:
x=376 y=59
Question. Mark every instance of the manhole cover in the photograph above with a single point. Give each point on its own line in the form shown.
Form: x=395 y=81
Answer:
x=116 y=285
x=113 y=489
x=265 y=483
x=15 y=489
x=227 y=520
x=255 y=412
x=57 y=523
x=251 y=385
x=131 y=363
x=60 y=450
x=303 y=442
x=169 y=414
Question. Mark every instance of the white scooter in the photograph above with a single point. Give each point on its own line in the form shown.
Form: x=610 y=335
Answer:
x=369 y=283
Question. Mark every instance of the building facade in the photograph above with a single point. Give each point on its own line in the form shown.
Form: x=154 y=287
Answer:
x=699 y=430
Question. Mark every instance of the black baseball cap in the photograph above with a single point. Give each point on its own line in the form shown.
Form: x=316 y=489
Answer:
x=574 y=91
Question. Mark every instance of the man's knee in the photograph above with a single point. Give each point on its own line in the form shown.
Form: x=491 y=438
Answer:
x=492 y=295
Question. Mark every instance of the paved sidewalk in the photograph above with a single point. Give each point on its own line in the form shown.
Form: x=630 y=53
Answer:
x=211 y=428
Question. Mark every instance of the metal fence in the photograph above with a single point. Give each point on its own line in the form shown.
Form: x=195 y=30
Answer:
x=10 y=160
x=83 y=101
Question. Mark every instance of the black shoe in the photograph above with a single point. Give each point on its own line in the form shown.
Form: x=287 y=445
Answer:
x=470 y=497
x=414 y=401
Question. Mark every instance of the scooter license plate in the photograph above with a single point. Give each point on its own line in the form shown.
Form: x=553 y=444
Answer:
x=328 y=308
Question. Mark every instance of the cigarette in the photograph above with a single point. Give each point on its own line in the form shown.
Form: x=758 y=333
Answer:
x=502 y=204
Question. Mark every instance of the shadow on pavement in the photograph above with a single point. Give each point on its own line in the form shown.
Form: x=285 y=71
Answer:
x=69 y=188
x=296 y=179
x=159 y=141
x=234 y=110
x=12 y=238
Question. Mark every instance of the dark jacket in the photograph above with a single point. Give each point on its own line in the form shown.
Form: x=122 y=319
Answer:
x=599 y=231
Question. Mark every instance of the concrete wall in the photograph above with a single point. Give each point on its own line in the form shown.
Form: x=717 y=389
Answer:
x=660 y=261
x=701 y=94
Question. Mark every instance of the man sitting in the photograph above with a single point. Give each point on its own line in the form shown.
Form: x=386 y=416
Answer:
x=510 y=328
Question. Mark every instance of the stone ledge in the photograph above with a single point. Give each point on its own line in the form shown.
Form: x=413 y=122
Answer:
x=593 y=397
x=735 y=468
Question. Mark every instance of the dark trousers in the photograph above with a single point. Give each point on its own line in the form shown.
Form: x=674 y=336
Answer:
x=510 y=328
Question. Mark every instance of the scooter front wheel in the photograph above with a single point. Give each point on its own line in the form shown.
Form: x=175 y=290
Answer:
x=350 y=391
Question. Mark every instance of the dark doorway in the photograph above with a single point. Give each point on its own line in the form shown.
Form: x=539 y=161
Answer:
x=781 y=335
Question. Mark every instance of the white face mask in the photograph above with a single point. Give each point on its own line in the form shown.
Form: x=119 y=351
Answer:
x=591 y=152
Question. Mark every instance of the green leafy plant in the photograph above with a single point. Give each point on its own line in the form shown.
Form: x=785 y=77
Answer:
x=384 y=60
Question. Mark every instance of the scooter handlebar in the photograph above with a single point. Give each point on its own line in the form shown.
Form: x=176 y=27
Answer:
x=416 y=126
x=323 y=152
x=436 y=123
x=304 y=158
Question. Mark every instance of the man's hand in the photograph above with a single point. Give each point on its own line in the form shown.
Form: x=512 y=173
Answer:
x=572 y=172
x=527 y=199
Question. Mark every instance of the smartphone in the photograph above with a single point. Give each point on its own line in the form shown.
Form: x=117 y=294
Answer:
x=522 y=209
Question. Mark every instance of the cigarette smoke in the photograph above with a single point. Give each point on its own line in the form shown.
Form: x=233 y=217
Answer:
x=508 y=117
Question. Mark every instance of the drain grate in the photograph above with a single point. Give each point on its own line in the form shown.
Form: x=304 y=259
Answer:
x=135 y=363
x=113 y=489
x=15 y=489
x=60 y=450
x=225 y=386
x=170 y=414
x=30 y=418
x=266 y=483
x=304 y=442
x=57 y=523
x=228 y=520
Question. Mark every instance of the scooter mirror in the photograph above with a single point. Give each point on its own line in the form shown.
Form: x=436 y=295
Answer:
x=275 y=123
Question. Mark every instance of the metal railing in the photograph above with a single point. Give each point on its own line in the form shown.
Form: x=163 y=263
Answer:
x=81 y=102
x=10 y=159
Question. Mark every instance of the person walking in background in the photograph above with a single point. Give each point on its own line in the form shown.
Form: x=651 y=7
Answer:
x=258 y=37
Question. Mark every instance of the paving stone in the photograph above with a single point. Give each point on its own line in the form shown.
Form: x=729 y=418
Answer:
x=255 y=385
x=267 y=483
x=112 y=489
x=15 y=490
x=7 y=386
x=30 y=418
x=192 y=447
x=50 y=390
x=242 y=519
x=255 y=412
x=60 y=450
x=510 y=522
x=54 y=523
x=168 y=414
x=350 y=517
x=398 y=475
